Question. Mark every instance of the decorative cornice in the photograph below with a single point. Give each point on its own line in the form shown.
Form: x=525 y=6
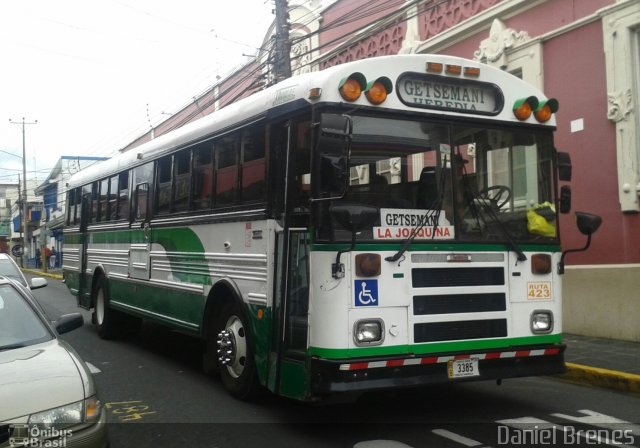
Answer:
x=620 y=105
x=500 y=39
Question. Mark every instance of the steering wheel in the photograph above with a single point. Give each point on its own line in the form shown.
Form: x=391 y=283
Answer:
x=497 y=196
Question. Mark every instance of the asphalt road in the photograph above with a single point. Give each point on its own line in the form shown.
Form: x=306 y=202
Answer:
x=156 y=395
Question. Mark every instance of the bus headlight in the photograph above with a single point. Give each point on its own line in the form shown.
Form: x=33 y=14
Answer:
x=368 y=332
x=541 y=321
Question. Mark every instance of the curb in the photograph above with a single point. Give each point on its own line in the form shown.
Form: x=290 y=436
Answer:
x=610 y=379
x=43 y=274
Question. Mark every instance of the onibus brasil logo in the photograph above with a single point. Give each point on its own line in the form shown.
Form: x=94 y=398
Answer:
x=23 y=435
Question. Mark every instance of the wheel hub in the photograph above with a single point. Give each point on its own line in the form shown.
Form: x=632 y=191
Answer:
x=232 y=347
x=226 y=347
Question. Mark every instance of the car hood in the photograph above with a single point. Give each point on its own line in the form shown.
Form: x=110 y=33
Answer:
x=37 y=378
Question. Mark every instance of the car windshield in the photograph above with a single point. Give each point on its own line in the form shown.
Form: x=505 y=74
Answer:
x=20 y=326
x=9 y=269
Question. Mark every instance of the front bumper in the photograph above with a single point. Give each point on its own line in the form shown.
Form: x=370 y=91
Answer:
x=334 y=376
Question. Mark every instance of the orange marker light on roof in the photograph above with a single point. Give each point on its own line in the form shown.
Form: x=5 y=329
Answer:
x=378 y=90
x=434 y=67
x=351 y=88
x=455 y=70
x=472 y=72
x=524 y=107
x=546 y=109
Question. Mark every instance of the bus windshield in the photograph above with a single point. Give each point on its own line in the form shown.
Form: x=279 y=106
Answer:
x=434 y=181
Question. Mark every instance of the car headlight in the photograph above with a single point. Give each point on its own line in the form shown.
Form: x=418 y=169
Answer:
x=85 y=411
x=541 y=321
x=368 y=332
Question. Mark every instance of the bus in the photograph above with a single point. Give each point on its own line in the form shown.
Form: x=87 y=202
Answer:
x=386 y=223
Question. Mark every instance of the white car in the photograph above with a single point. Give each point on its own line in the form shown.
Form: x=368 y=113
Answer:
x=47 y=393
x=10 y=269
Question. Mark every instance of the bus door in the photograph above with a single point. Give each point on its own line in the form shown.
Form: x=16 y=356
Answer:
x=139 y=259
x=84 y=286
x=292 y=246
x=296 y=302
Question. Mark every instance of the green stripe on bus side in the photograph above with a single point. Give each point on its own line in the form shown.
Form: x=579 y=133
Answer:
x=163 y=305
x=179 y=240
x=435 y=247
x=430 y=349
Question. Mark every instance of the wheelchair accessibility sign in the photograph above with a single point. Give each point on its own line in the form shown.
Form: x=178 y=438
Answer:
x=366 y=292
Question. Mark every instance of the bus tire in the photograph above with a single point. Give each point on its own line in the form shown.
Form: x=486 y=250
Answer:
x=236 y=364
x=103 y=316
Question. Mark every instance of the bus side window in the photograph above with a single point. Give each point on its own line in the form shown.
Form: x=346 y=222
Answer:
x=202 y=185
x=84 y=191
x=103 y=202
x=163 y=185
x=112 y=209
x=226 y=151
x=181 y=180
x=142 y=178
x=95 y=197
x=253 y=165
x=123 y=196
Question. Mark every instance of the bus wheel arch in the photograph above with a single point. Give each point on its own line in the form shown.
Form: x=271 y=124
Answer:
x=111 y=323
x=229 y=346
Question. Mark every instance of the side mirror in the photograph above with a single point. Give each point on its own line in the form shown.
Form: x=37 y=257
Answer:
x=333 y=156
x=565 y=199
x=38 y=282
x=69 y=322
x=353 y=217
x=587 y=225
x=564 y=166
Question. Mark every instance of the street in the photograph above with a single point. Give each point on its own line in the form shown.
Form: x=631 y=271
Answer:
x=156 y=395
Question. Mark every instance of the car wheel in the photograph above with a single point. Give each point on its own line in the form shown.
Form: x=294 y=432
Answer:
x=235 y=356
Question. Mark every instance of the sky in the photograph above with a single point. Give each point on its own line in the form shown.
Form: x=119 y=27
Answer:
x=97 y=74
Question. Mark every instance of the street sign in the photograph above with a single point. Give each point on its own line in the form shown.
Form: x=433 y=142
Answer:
x=17 y=251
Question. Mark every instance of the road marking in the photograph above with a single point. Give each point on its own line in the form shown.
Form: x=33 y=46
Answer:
x=627 y=429
x=456 y=437
x=127 y=411
x=93 y=369
x=527 y=423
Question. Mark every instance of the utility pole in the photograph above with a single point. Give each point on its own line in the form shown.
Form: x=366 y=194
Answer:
x=23 y=221
x=282 y=63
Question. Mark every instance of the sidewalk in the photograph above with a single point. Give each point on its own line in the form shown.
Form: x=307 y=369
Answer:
x=596 y=362
x=603 y=363
x=51 y=273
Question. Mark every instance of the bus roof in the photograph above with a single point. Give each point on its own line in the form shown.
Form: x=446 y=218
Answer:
x=412 y=89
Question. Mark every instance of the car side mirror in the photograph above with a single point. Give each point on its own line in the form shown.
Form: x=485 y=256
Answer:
x=38 y=282
x=69 y=322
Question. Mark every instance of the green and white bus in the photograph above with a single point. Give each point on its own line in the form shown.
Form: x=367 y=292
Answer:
x=381 y=224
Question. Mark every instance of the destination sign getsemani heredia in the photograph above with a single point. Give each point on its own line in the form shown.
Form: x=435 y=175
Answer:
x=434 y=92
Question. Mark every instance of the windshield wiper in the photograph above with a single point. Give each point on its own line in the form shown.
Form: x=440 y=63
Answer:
x=434 y=211
x=486 y=205
x=12 y=346
x=416 y=230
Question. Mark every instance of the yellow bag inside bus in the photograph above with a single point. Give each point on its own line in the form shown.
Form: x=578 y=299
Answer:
x=541 y=220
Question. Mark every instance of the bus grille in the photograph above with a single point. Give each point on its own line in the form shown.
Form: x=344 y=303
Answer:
x=455 y=331
x=459 y=303
x=442 y=277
